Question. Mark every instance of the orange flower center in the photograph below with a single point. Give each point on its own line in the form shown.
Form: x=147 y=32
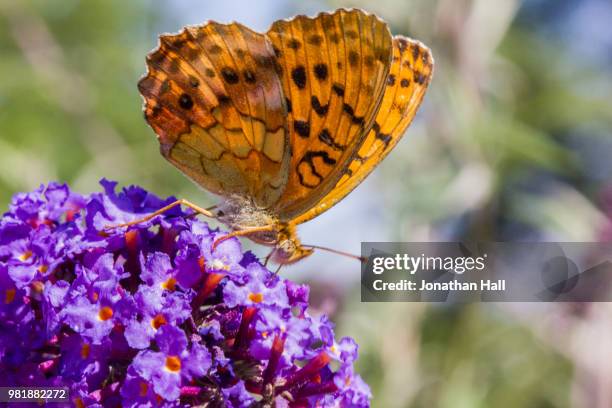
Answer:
x=158 y=321
x=25 y=256
x=256 y=297
x=131 y=239
x=9 y=296
x=202 y=263
x=37 y=286
x=105 y=313
x=170 y=284
x=218 y=264
x=173 y=364
x=85 y=349
x=144 y=388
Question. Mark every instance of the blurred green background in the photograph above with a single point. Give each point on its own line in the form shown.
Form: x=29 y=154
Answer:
x=513 y=143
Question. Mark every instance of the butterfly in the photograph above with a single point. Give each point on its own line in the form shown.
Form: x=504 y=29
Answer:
x=284 y=124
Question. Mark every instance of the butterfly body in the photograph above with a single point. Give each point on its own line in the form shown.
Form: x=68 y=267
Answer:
x=241 y=214
x=283 y=125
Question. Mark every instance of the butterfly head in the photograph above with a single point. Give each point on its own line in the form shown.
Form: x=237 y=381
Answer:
x=288 y=248
x=299 y=253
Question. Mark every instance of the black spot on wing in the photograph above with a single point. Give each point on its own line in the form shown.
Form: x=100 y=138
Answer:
x=178 y=43
x=315 y=39
x=402 y=44
x=308 y=160
x=223 y=99
x=321 y=110
x=165 y=87
x=185 y=101
x=215 y=49
x=351 y=34
x=294 y=44
x=174 y=66
x=385 y=138
x=249 y=76
x=353 y=58
x=369 y=61
x=360 y=159
x=302 y=128
x=154 y=112
x=348 y=109
x=415 y=51
x=419 y=78
x=193 y=81
x=338 y=89
x=320 y=71
x=381 y=55
x=299 y=76
x=326 y=137
x=229 y=75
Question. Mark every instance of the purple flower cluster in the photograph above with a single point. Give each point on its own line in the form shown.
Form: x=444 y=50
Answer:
x=152 y=316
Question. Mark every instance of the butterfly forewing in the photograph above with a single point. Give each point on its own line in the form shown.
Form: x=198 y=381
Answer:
x=408 y=79
x=334 y=67
x=213 y=96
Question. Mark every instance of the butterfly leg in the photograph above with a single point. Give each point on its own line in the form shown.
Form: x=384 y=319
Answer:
x=278 y=269
x=195 y=214
x=267 y=259
x=198 y=210
x=242 y=233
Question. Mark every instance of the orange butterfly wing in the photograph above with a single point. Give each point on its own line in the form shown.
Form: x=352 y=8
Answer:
x=334 y=68
x=408 y=79
x=213 y=96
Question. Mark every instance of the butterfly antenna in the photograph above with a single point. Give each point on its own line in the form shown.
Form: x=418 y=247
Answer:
x=337 y=252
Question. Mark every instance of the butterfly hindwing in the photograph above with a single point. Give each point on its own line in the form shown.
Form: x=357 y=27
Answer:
x=213 y=96
x=333 y=71
x=408 y=79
